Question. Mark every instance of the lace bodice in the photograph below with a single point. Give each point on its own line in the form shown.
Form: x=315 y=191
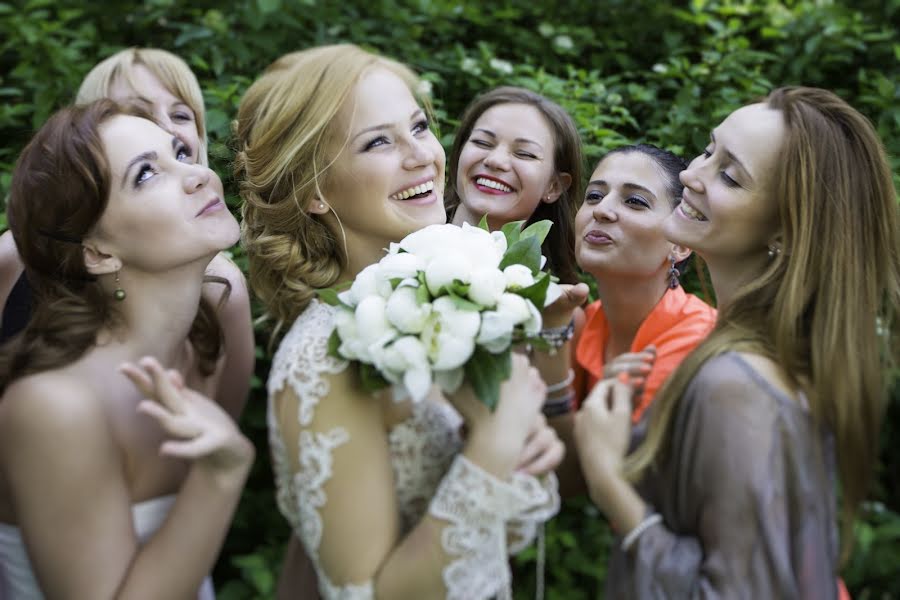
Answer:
x=430 y=475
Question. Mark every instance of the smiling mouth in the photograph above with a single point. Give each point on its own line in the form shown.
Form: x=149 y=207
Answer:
x=492 y=184
x=415 y=192
x=691 y=212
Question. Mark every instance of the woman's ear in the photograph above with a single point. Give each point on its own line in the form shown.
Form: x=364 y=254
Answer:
x=557 y=186
x=317 y=207
x=680 y=253
x=97 y=262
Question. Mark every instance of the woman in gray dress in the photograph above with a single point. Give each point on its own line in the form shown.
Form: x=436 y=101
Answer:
x=793 y=208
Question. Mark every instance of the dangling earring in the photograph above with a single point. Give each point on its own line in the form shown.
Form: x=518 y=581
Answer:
x=119 y=293
x=774 y=251
x=673 y=274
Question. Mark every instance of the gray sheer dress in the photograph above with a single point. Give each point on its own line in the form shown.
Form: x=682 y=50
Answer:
x=747 y=498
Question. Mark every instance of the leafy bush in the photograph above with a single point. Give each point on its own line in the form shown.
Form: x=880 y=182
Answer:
x=627 y=71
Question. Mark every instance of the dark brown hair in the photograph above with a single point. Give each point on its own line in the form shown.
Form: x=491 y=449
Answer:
x=559 y=247
x=59 y=191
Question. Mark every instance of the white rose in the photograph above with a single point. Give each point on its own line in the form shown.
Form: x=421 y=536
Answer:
x=400 y=266
x=486 y=286
x=404 y=312
x=443 y=270
x=518 y=277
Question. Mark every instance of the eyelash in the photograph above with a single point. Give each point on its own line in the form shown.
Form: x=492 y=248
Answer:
x=729 y=181
x=595 y=196
x=420 y=127
x=183 y=117
x=486 y=144
x=149 y=168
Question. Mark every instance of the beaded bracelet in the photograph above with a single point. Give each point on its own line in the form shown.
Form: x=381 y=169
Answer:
x=556 y=337
x=559 y=405
x=633 y=535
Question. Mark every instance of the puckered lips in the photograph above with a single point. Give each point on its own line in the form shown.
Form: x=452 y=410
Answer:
x=491 y=185
x=420 y=191
x=598 y=237
x=213 y=206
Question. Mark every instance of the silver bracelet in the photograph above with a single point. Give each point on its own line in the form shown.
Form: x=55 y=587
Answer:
x=556 y=337
x=559 y=405
x=556 y=387
x=633 y=535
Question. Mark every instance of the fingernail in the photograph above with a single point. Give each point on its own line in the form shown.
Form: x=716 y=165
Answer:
x=644 y=369
x=623 y=377
x=638 y=381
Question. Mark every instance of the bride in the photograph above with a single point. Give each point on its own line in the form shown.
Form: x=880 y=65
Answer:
x=336 y=160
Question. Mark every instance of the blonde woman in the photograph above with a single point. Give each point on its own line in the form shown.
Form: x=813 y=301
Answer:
x=793 y=209
x=169 y=90
x=387 y=499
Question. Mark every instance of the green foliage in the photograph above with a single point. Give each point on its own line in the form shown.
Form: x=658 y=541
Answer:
x=628 y=71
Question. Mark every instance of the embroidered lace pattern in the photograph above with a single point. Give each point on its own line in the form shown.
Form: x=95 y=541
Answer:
x=476 y=505
x=430 y=475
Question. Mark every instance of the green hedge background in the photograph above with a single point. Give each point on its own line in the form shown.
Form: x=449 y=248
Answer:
x=627 y=70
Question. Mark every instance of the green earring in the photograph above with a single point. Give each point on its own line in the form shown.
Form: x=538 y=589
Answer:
x=119 y=293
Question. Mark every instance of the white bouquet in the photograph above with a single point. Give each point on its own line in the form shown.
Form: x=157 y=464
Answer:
x=444 y=306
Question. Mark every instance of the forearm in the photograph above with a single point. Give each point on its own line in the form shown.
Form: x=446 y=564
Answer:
x=571 y=478
x=173 y=563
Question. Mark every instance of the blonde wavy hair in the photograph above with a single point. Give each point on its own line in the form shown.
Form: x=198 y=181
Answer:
x=286 y=139
x=171 y=71
x=823 y=309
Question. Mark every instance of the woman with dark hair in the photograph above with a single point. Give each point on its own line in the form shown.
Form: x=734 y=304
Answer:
x=113 y=494
x=749 y=437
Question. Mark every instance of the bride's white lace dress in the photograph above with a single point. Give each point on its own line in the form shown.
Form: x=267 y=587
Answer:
x=484 y=518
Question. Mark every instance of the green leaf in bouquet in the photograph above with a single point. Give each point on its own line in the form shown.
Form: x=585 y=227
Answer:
x=329 y=296
x=512 y=232
x=371 y=379
x=334 y=342
x=537 y=291
x=538 y=343
x=395 y=282
x=526 y=252
x=458 y=288
x=422 y=294
x=485 y=372
x=463 y=304
x=538 y=230
x=483 y=224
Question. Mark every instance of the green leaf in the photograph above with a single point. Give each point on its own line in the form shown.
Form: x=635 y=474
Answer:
x=371 y=379
x=458 y=288
x=334 y=342
x=329 y=296
x=422 y=294
x=538 y=230
x=537 y=291
x=485 y=372
x=512 y=232
x=463 y=304
x=524 y=252
x=483 y=224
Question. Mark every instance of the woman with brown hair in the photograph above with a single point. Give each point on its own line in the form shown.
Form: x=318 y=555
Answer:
x=110 y=493
x=793 y=208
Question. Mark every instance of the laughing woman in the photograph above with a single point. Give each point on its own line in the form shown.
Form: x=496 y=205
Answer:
x=104 y=493
x=793 y=209
x=336 y=160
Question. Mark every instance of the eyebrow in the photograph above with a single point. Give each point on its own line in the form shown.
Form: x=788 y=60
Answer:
x=386 y=125
x=151 y=155
x=732 y=157
x=631 y=186
x=519 y=140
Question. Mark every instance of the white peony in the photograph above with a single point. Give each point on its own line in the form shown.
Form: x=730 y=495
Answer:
x=405 y=360
x=400 y=266
x=449 y=337
x=496 y=331
x=370 y=281
x=443 y=270
x=486 y=286
x=518 y=277
x=521 y=312
x=372 y=327
x=404 y=312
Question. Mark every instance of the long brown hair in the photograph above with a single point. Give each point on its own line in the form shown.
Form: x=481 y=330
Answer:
x=823 y=309
x=559 y=246
x=59 y=191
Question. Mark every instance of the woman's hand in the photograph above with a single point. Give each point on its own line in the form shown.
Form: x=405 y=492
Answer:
x=500 y=435
x=602 y=432
x=559 y=314
x=202 y=431
x=543 y=450
x=635 y=365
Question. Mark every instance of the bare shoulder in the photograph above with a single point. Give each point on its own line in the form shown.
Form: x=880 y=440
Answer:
x=56 y=408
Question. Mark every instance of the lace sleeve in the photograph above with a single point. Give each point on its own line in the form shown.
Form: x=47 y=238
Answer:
x=476 y=507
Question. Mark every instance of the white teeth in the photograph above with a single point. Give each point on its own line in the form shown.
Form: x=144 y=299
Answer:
x=493 y=184
x=692 y=212
x=422 y=188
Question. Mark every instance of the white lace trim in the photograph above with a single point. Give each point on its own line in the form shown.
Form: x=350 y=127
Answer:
x=476 y=506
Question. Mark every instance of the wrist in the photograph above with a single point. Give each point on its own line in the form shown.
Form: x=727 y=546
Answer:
x=555 y=337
